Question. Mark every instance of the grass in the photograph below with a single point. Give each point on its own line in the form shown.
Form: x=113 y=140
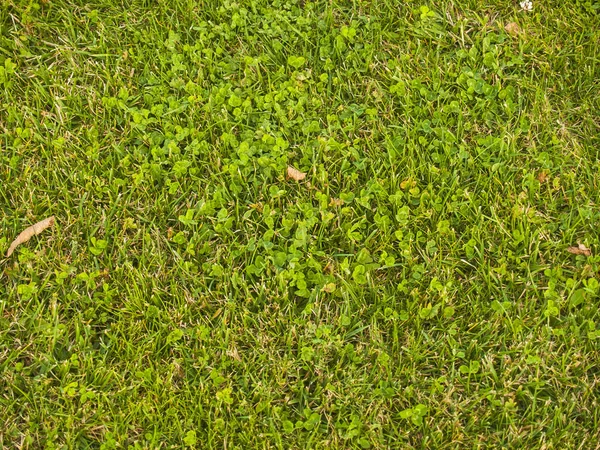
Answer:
x=413 y=291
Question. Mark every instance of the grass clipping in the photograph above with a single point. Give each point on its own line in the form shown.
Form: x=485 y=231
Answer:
x=29 y=232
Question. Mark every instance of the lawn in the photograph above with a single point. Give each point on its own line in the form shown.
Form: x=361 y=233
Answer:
x=417 y=282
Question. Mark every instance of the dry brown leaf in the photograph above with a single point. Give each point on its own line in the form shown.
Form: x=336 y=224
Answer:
x=580 y=250
x=295 y=174
x=542 y=176
x=512 y=28
x=29 y=232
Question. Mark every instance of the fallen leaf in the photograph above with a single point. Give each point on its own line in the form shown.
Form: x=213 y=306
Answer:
x=29 y=232
x=542 y=176
x=512 y=28
x=580 y=250
x=336 y=202
x=295 y=174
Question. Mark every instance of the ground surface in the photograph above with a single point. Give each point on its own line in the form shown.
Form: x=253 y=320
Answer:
x=415 y=289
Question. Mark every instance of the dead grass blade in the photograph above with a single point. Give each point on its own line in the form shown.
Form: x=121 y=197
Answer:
x=29 y=232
